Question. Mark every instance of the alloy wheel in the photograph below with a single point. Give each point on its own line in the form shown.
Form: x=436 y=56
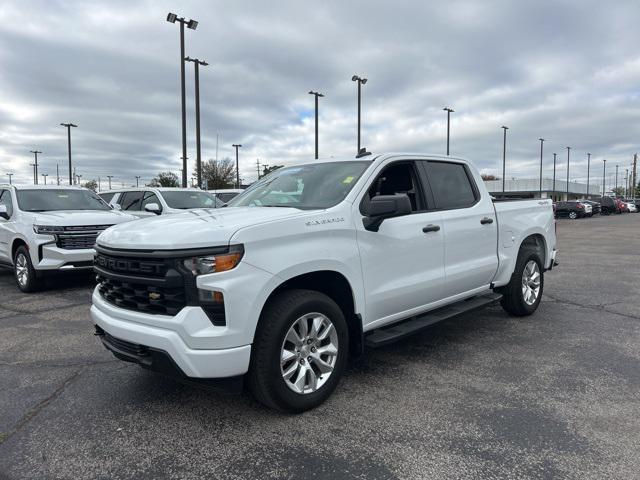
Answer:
x=531 y=282
x=309 y=353
x=22 y=270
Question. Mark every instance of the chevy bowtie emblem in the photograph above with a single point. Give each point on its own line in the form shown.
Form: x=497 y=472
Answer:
x=155 y=296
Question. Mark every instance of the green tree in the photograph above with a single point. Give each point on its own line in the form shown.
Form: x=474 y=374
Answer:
x=91 y=185
x=165 y=179
x=270 y=168
x=219 y=174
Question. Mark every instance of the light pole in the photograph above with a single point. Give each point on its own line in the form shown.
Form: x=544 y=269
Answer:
x=615 y=190
x=137 y=180
x=196 y=64
x=449 y=111
x=504 y=154
x=626 y=183
x=35 y=166
x=554 y=175
x=79 y=178
x=568 y=152
x=361 y=81
x=192 y=24
x=68 y=127
x=541 y=142
x=57 y=174
x=316 y=95
x=588 y=171
x=45 y=175
x=604 y=175
x=237 y=146
x=109 y=177
x=9 y=175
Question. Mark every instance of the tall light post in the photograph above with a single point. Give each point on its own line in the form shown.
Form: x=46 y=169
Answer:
x=568 y=152
x=449 y=111
x=109 y=177
x=137 y=180
x=588 y=171
x=79 y=178
x=616 y=182
x=57 y=174
x=237 y=146
x=554 y=175
x=191 y=24
x=69 y=126
x=9 y=175
x=504 y=154
x=196 y=64
x=604 y=175
x=626 y=183
x=45 y=175
x=541 y=142
x=316 y=95
x=361 y=81
x=35 y=166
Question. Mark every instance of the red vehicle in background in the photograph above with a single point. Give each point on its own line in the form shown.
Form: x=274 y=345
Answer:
x=621 y=207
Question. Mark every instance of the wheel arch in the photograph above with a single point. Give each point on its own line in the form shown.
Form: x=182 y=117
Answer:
x=538 y=243
x=17 y=243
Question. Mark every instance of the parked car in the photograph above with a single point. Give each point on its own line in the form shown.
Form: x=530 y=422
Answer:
x=150 y=201
x=48 y=229
x=608 y=205
x=226 y=194
x=572 y=209
x=595 y=206
x=631 y=207
x=281 y=296
x=621 y=206
x=636 y=202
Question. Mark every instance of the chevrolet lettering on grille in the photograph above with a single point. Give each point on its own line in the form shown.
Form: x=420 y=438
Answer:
x=129 y=266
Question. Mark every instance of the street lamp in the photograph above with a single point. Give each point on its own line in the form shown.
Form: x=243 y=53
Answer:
x=45 y=175
x=196 y=64
x=554 y=175
x=604 y=175
x=616 y=183
x=361 y=81
x=68 y=127
x=9 y=175
x=541 y=142
x=35 y=166
x=192 y=24
x=504 y=154
x=237 y=146
x=449 y=111
x=316 y=95
x=137 y=180
x=588 y=170
x=109 y=177
x=568 y=152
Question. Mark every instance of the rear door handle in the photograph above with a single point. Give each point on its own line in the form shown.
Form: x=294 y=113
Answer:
x=486 y=220
x=431 y=228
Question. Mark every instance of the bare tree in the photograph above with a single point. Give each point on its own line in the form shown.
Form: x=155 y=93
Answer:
x=219 y=174
x=165 y=179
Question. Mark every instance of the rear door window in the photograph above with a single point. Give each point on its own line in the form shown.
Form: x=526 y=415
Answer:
x=451 y=185
x=107 y=196
x=131 y=201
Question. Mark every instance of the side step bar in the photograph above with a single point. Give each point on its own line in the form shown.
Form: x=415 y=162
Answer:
x=391 y=333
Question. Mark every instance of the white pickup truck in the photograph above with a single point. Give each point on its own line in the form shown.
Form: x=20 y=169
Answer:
x=309 y=265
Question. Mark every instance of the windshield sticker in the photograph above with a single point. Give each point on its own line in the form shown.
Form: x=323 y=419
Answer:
x=348 y=179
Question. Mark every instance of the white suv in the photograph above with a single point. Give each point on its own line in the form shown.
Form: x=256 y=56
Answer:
x=150 y=201
x=50 y=228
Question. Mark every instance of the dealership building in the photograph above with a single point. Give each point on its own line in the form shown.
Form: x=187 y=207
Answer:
x=530 y=188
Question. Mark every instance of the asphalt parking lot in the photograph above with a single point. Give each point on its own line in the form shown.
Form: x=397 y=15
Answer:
x=555 y=395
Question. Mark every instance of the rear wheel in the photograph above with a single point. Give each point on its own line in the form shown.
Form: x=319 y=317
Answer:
x=522 y=295
x=573 y=215
x=24 y=272
x=299 y=351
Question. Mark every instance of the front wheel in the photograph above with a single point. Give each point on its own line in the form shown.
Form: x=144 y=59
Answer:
x=522 y=295
x=573 y=215
x=299 y=351
x=24 y=272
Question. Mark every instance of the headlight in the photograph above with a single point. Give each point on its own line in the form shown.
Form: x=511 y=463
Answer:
x=214 y=263
x=47 y=229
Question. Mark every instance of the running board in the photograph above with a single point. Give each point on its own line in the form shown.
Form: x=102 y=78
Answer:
x=391 y=333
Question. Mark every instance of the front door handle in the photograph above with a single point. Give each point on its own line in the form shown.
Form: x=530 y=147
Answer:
x=486 y=220
x=431 y=228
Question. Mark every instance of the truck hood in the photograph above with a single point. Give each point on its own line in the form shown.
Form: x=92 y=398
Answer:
x=191 y=229
x=72 y=218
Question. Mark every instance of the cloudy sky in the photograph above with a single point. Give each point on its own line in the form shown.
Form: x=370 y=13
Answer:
x=568 y=71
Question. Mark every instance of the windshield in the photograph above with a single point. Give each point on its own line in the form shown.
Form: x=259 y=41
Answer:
x=50 y=200
x=190 y=199
x=306 y=187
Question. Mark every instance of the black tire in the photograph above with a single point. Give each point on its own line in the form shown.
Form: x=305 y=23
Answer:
x=513 y=301
x=22 y=260
x=265 y=379
x=573 y=215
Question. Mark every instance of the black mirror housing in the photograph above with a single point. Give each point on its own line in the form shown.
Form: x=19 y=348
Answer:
x=385 y=206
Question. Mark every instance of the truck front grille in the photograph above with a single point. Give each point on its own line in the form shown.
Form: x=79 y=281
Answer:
x=139 y=296
x=79 y=237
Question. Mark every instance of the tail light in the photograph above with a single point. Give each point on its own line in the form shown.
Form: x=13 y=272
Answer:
x=579 y=206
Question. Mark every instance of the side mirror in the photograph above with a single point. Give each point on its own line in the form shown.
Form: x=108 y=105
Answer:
x=4 y=213
x=153 y=208
x=381 y=207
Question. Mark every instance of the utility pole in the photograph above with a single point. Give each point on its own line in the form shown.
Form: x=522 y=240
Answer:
x=633 y=177
x=541 y=142
x=35 y=166
x=99 y=184
x=68 y=127
x=196 y=64
x=45 y=175
x=449 y=111
x=192 y=24
x=626 y=183
x=57 y=174
x=237 y=146
x=604 y=175
x=554 y=175
x=316 y=95
x=109 y=177
x=568 y=153
x=588 y=170
x=361 y=81
x=137 y=180
x=258 y=167
x=616 y=182
x=504 y=154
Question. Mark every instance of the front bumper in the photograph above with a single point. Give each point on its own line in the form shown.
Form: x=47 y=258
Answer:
x=51 y=257
x=180 y=337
